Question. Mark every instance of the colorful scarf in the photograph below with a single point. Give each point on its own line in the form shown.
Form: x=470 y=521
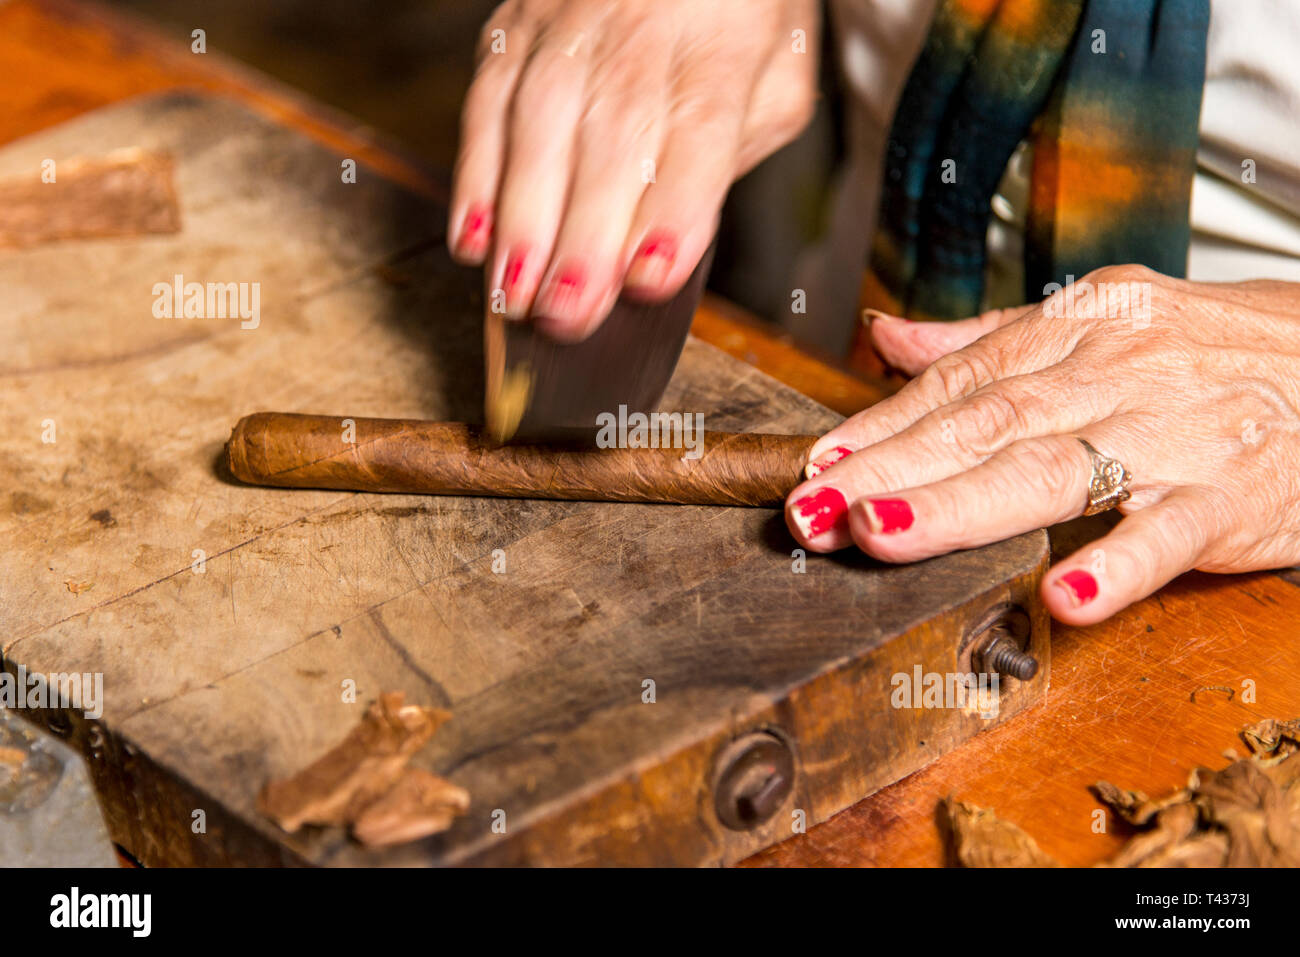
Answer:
x=1108 y=92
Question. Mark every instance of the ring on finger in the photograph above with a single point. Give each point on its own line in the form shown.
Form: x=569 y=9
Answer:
x=1108 y=485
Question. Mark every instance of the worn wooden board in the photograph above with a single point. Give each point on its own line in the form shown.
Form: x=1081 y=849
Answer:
x=228 y=620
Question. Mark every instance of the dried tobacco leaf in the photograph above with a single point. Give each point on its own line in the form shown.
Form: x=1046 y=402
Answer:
x=418 y=805
x=1134 y=806
x=1206 y=849
x=1245 y=815
x=1270 y=735
x=981 y=839
x=1245 y=802
x=1173 y=826
x=1282 y=771
x=361 y=768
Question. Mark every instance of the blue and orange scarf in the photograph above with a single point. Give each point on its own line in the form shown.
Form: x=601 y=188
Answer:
x=1109 y=94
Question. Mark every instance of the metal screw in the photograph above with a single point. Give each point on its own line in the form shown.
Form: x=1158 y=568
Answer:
x=1003 y=656
x=998 y=645
x=755 y=776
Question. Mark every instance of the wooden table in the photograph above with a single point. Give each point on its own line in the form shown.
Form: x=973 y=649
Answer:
x=1123 y=704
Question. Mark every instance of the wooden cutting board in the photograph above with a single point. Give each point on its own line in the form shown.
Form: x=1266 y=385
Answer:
x=230 y=623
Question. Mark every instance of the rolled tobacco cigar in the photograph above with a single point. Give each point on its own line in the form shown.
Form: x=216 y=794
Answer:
x=449 y=458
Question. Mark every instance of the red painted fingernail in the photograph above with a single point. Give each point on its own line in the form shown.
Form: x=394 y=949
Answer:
x=889 y=515
x=1079 y=585
x=514 y=270
x=820 y=512
x=821 y=464
x=563 y=290
x=653 y=261
x=570 y=280
x=475 y=230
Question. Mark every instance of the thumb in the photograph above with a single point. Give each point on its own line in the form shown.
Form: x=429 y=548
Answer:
x=911 y=346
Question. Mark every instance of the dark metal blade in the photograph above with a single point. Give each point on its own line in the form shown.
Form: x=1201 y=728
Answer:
x=540 y=389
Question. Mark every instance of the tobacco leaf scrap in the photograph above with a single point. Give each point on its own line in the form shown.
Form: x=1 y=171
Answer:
x=981 y=839
x=1260 y=815
x=363 y=781
x=418 y=804
x=1134 y=806
x=1170 y=828
x=1244 y=815
x=1271 y=736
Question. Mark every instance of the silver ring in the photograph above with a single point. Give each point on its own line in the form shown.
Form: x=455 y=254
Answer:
x=1108 y=486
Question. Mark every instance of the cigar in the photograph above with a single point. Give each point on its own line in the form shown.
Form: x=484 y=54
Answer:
x=450 y=458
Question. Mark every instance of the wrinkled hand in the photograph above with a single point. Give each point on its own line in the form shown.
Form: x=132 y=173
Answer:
x=1199 y=397
x=599 y=139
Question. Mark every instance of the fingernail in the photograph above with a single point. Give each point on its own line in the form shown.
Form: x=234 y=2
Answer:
x=653 y=261
x=1079 y=586
x=820 y=512
x=889 y=515
x=514 y=270
x=821 y=464
x=512 y=274
x=871 y=315
x=475 y=230
x=561 y=295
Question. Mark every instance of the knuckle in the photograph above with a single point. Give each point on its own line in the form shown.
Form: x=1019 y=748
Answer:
x=549 y=71
x=1121 y=273
x=705 y=108
x=790 y=109
x=985 y=418
x=1045 y=465
x=957 y=374
x=791 y=117
x=1118 y=292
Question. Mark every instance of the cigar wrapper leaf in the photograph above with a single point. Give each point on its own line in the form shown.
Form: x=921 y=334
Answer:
x=449 y=458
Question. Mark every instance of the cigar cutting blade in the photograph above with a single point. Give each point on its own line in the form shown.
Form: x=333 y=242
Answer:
x=542 y=390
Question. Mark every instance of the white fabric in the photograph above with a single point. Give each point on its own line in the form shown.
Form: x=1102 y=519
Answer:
x=1251 y=111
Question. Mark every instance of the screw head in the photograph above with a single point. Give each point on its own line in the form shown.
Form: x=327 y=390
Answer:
x=999 y=644
x=754 y=778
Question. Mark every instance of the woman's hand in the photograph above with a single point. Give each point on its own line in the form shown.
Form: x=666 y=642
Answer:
x=1197 y=395
x=599 y=139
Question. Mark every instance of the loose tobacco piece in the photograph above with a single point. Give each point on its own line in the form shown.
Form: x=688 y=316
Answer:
x=363 y=781
x=1244 y=815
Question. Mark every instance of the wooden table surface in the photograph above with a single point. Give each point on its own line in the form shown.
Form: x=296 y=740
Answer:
x=1123 y=704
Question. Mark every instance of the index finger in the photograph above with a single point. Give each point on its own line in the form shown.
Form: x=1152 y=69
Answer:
x=503 y=49
x=1029 y=344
